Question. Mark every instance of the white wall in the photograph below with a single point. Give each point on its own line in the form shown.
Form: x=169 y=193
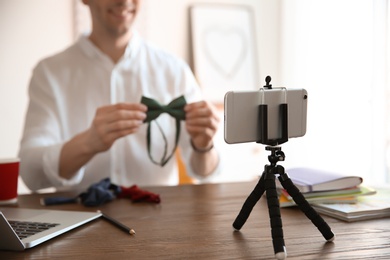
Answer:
x=30 y=30
x=165 y=31
x=34 y=29
x=337 y=51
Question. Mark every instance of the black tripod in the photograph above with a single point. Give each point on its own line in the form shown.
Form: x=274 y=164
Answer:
x=267 y=183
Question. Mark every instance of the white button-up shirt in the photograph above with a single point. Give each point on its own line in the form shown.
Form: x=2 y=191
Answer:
x=65 y=91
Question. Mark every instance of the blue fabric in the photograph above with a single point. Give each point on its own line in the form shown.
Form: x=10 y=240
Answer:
x=58 y=201
x=99 y=193
x=96 y=195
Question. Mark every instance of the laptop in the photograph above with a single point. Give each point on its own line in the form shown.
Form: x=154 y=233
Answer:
x=25 y=228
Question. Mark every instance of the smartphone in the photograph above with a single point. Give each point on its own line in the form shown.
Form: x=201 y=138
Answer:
x=241 y=110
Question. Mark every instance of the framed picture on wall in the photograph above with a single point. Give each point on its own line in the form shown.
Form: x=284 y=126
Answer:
x=224 y=52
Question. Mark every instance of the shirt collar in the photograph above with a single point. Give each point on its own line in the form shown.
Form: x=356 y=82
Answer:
x=133 y=46
x=92 y=51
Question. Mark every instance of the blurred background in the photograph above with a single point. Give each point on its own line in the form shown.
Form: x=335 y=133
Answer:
x=338 y=50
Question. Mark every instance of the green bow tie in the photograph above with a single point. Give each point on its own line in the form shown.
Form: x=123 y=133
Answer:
x=176 y=109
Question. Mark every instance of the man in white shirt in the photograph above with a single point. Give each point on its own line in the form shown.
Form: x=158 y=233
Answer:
x=85 y=120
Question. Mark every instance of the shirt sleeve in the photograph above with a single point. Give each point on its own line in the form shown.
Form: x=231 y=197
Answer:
x=193 y=93
x=186 y=151
x=42 y=139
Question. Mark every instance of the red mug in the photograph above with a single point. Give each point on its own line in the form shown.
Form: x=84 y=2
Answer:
x=9 y=174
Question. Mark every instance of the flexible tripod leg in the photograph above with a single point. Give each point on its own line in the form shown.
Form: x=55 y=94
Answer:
x=249 y=203
x=274 y=214
x=266 y=183
x=305 y=207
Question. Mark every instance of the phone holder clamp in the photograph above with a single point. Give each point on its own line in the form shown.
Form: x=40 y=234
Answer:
x=263 y=120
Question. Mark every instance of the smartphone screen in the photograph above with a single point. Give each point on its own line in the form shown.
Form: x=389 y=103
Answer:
x=241 y=113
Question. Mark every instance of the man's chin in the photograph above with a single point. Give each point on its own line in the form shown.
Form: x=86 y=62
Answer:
x=121 y=31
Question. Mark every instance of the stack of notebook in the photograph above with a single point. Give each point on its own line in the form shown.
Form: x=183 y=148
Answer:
x=319 y=186
x=367 y=207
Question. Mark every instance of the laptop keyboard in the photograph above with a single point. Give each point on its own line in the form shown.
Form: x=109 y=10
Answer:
x=25 y=228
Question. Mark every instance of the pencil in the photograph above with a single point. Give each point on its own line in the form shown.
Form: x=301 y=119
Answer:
x=118 y=224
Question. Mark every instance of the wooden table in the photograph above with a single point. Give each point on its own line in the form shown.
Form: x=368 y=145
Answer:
x=195 y=222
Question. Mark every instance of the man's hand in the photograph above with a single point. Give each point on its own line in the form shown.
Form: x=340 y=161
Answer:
x=113 y=122
x=201 y=123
